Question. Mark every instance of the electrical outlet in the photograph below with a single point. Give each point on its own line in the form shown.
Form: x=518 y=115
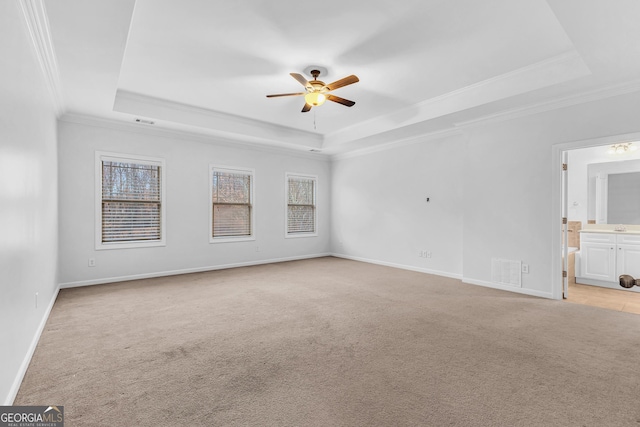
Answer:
x=525 y=268
x=427 y=254
x=92 y=262
x=257 y=248
x=420 y=254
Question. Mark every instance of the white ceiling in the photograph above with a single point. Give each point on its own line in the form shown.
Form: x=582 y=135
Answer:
x=425 y=66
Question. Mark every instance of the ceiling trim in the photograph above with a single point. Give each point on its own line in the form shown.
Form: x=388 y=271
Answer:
x=555 y=104
x=402 y=142
x=35 y=17
x=551 y=71
x=151 y=130
x=215 y=122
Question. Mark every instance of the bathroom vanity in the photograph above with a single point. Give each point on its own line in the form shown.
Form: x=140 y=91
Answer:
x=605 y=254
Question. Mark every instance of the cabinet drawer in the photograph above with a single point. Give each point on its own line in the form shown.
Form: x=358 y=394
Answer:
x=598 y=237
x=629 y=239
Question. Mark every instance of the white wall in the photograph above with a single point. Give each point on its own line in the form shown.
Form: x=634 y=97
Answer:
x=380 y=212
x=497 y=191
x=507 y=211
x=28 y=199
x=187 y=203
x=508 y=185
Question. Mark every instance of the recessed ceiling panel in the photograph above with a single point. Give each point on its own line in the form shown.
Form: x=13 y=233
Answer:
x=226 y=56
x=206 y=66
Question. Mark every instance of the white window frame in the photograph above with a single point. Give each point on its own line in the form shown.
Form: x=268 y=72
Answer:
x=128 y=158
x=286 y=205
x=232 y=169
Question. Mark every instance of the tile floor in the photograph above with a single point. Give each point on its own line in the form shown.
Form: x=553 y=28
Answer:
x=614 y=299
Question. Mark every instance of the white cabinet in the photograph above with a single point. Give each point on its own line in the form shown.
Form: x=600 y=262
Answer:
x=598 y=261
x=628 y=260
x=606 y=256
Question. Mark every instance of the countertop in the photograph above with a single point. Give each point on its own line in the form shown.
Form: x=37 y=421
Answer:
x=631 y=229
x=611 y=231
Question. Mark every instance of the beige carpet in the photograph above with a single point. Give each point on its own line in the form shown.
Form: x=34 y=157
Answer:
x=331 y=342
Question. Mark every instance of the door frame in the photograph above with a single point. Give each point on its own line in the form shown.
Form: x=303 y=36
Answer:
x=565 y=224
x=557 y=151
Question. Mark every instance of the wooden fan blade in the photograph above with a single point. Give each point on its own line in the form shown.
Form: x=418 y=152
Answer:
x=285 y=94
x=301 y=80
x=306 y=107
x=340 y=100
x=342 y=82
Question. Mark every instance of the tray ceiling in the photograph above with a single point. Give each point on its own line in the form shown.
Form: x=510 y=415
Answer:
x=205 y=67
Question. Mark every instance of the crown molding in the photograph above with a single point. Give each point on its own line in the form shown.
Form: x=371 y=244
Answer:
x=203 y=138
x=222 y=124
x=554 y=104
x=567 y=59
x=549 y=72
x=529 y=110
x=35 y=17
x=402 y=142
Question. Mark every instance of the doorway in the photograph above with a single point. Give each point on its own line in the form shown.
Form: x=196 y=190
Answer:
x=583 y=206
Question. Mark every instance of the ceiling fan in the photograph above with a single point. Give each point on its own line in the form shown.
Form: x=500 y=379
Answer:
x=318 y=92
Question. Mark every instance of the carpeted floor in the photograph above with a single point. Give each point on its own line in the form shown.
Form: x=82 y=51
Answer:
x=331 y=342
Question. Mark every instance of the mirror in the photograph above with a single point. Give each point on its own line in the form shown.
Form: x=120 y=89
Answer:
x=614 y=192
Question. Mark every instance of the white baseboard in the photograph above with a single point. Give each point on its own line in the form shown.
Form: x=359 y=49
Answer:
x=104 y=280
x=401 y=266
x=525 y=291
x=13 y=391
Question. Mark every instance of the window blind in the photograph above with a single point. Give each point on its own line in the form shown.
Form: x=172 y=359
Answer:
x=131 y=202
x=301 y=205
x=231 y=199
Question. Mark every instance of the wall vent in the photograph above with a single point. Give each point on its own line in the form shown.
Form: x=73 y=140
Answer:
x=506 y=272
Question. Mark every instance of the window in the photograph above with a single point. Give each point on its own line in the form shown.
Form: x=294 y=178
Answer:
x=301 y=205
x=231 y=204
x=130 y=212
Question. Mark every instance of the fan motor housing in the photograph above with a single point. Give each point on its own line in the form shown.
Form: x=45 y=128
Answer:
x=317 y=85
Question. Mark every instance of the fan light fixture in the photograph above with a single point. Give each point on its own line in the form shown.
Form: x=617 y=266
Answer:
x=623 y=148
x=315 y=98
x=317 y=92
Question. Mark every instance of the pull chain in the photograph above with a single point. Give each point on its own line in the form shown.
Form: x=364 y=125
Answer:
x=314 y=120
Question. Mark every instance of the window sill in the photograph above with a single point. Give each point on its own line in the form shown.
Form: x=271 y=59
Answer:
x=232 y=239
x=130 y=245
x=298 y=235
